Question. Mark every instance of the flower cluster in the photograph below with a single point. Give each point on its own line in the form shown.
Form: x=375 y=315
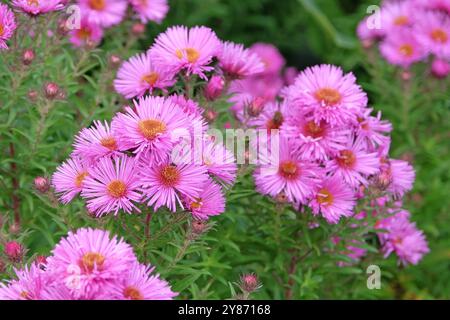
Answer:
x=88 y=265
x=331 y=152
x=411 y=31
x=7 y=25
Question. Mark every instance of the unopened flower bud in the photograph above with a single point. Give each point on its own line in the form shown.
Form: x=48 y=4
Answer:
x=198 y=226
x=41 y=261
x=249 y=282
x=14 y=228
x=14 y=251
x=33 y=95
x=28 y=56
x=281 y=198
x=41 y=184
x=440 y=68
x=51 y=90
x=138 y=28
x=214 y=88
x=211 y=116
x=115 y=60
x=255 y=108
x=406 y=75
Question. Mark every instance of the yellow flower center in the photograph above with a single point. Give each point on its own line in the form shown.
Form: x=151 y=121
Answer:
x=192 y=54
x=275 y=122
x=289 y=170
x=197 y=204
x=151 y=128
x=401 y=21
x=116 y=189
x=109 y=143
x=169 y=175
x=34 y=3
x=312 y=129
x=2 y=30
x=346 y=159
x=328 y=96
x=406 y=50
x=439 y=35
x=151 y=78
x=98 y=5
x=91 y=260
x=79 y=179
x=84 y=33
x=133 y=293
x=324 y=197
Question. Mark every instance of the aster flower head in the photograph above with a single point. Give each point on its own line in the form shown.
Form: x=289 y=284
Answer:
x=89 y=33
x=401 y=48
x=210 y=201
x=141 y=284
x=373 y=130
x=368 y=34
x=96 y=142
x=219 y=161
x=238 y=62
x=192 y=49
x=140 y=74
x=262 y=115
x=189 y=106
x=105 y=13
x=328 y=94
x=150 y=10
x=284 y=172
x=354 y=164
x=35 y=7
x=402 y=177
x=396 y=15
x=69 y=178
x=149 y=129
x=7 y=25
x=28 y=285
x=270 y=56
x=433 y=33
x=112 y=185
x=89 y=260
x=333 y=199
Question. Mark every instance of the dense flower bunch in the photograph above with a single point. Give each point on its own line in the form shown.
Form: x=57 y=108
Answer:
x=332 y=155
x=88 y=265
x=411 y=31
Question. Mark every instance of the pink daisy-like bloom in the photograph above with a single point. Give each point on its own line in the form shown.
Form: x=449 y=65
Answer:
x=396 y=15
x=28 y=285
x=166 y=184
x=89 y=260
x=7 y=25
x=354 y=164
x=311 y=140
x=140 y=74
x=373 y=130
x=262 y=86
x=270 y=56
x=402 y=175
x=433 y=33
x=404 y=239
x=96 y=142
x=328 y=94
x=140 y=284
x=112 y=185
x=89 y=33
x=190 y=49
x=402 y=48
x=150 y=129
x=105 y=13
x=69 y=178
x=238 y=62
x=210 y=201
x=189 y=106
x=269 y=116
x=295 y=177
x=333 y=199
x=150 y=10
x=219 y=161
x=35 y=7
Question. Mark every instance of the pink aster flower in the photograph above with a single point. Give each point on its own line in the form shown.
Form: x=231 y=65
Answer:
x=311 y=140
x=150 y=128
x=403 y=238
x=441 y=5
x=69 y=178
x=354 y=164
x=89 y=33
x=187 y=105
x=35 y=7
x=402 y=175
x=166 y=184
x=396 y=15
x=270 y=56
x=139 y=74
x=210 y=201
x=433 y=33
x=150 y=10
x=373 y=130
x=238 y=62
x=402 y=48
x=89 y=260
x=285 y=172
x=368 y=34
x=262 y=86
x=190 y=49
x=140 y=284
x=219 y=161
x=328 y=94
x=112 y=185
x=96 y=142
x=105 y=13
x=7 y=25
x=28 y=285
x=440 y=68
x=333 y=199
